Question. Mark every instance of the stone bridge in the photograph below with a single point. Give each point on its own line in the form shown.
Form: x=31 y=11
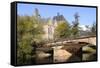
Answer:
x=89 y=40
x=64 y=51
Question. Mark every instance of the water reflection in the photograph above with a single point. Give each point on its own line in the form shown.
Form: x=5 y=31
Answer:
x=89 y=53
x=65 y=54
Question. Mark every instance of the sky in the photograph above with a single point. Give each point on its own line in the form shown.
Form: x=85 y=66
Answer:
x=87 y=14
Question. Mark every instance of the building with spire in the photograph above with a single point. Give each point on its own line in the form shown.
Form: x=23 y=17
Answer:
x=50 y=26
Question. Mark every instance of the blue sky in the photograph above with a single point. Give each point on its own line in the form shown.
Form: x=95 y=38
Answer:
x=87 y=15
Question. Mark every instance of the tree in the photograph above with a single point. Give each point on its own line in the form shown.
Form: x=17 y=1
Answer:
x=93 y=29
x=75 y=26
x=28 y=32
x=87 y=26
x=75 y=31
x=62 y=30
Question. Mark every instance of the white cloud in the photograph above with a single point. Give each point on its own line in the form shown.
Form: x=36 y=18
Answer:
x=83 y=27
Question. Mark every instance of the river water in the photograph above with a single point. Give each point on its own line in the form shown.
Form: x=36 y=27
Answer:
x=62 y=55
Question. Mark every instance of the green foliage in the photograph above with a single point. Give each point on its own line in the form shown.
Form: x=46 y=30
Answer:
x=28 y=31
x=89 y=53
x=62 y=30
x=75 y=30
x=30 y=34
x=93 y=29
x=75 y=26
